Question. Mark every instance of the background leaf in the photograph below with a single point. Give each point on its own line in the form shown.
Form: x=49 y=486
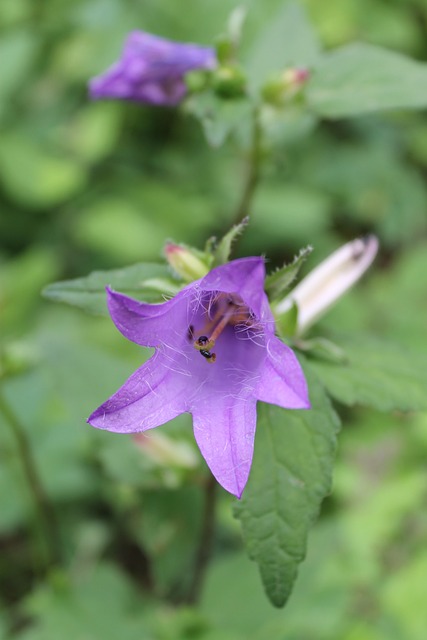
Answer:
x=360 y=78
x=376 y=373
x=88 y=293
x=287 y=40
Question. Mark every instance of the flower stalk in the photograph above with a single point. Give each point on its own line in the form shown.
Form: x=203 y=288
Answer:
x=253 y=171
x=43 y=509
x=206 y=541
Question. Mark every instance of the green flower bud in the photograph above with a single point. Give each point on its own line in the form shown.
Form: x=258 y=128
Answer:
x=187 y=262
x=285 y=86
x=229 y=81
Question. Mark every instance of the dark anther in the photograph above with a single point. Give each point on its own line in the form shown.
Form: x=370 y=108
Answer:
x=202 y=340
x=190 y=332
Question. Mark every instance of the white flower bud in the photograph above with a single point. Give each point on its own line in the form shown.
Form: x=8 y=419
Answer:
x=329 y=281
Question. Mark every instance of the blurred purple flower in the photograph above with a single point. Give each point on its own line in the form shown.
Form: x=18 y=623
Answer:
x=151 y=70
x=215 y=355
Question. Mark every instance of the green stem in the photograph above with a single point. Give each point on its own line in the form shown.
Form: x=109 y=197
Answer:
x=206 y=541
x=43 y=509
x=253 y=172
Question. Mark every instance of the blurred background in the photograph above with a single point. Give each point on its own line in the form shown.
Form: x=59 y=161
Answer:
x=87 y=186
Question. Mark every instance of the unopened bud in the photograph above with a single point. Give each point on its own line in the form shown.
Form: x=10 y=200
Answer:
x=229 y=81
x=186 y=262
x=285 y=86
x=329 y=281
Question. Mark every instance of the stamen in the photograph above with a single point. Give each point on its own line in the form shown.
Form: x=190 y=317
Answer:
x=232 y=312
x=204 y=343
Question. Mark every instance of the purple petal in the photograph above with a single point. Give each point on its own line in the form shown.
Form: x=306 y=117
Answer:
x=149 y=398
x=148 y=324
x=224 y=429
x=282 y=379
x=246 y=277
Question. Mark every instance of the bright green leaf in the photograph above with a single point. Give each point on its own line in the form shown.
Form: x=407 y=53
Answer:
x=360 y=78
x=147 y=281
x=290 y=476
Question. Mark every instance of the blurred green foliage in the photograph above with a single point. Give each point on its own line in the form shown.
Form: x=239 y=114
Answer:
x=87 y=186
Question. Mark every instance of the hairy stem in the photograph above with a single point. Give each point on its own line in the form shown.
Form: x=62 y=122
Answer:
x=42 y=506
x=252 y=172
x=206 y=540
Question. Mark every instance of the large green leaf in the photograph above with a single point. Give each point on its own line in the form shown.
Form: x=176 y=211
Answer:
x=290 y=476
x=288 y=40
x=145 y=280
x=376 y=373
x=360 y=78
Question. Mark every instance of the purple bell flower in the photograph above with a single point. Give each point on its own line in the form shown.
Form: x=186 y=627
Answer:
x=216 y=354
x=151 y=70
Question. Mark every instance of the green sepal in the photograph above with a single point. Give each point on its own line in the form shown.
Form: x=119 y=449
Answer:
x=227 y=43
x=287 y=323
x=278 y=282
x=222 y=250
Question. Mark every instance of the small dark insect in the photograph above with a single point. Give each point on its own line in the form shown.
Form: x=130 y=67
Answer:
x=208 y=355
x=202 y=340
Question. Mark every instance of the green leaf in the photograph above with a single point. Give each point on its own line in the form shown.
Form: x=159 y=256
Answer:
x=218 y=117
x=322 y=348
x=287 y=41
x=223 y=249
x=290 y=476
x=360 y=78
x=99 y=602
x=375 y=373
x=279 y=281
x=147 y=281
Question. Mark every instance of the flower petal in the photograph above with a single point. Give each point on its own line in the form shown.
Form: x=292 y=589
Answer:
x=224 y=429
x=166 y=58
x=148 y=324
x=282 y=379
x=150 y=397
x=151 y=70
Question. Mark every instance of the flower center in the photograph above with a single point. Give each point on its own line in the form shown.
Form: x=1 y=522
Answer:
x=226 y=310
